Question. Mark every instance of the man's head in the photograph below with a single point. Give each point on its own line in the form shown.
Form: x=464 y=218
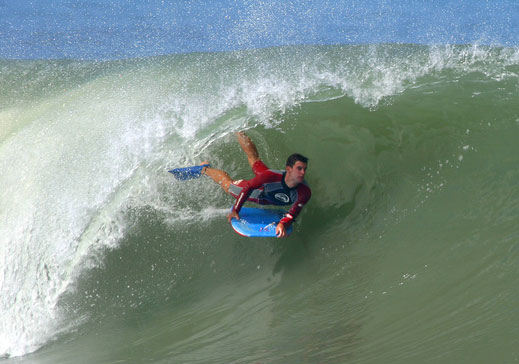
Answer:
x=295 y=169
x=292 y=159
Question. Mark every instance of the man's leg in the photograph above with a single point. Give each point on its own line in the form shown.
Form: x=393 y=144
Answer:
x=248 y=147
x=219 y=176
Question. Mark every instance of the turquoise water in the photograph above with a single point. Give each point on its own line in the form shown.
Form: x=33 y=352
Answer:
x=405 y=254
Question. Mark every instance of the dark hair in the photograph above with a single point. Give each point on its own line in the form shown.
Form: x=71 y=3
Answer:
x=294 y=158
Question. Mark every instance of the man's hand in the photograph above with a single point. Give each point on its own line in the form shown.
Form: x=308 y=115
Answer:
x=232 y=215
x=280 y=230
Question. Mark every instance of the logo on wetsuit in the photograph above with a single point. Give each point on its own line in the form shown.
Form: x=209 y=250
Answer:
x=282 y=197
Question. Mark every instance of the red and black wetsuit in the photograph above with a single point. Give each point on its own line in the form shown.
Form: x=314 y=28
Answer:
x=269 y=188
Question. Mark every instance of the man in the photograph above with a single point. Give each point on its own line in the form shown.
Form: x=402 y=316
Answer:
x=268 y=186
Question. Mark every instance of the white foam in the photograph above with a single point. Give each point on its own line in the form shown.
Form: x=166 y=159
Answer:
x=58 y=175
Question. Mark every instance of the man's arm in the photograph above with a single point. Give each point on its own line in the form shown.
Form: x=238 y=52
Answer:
x=249 y=186
x=304 y=194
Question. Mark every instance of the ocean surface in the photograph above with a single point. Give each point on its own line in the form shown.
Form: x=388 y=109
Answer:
x=407 y=252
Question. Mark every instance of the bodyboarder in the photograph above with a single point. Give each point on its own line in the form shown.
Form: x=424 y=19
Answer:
x=274 y=187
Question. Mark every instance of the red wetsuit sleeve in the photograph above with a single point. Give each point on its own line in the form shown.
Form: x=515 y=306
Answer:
x=252 y=184
x=303 y=196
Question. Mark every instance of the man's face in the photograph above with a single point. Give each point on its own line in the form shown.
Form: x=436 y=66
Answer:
x=296 y=174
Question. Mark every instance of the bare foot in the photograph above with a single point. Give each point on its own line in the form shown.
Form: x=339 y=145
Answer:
x=202 y=164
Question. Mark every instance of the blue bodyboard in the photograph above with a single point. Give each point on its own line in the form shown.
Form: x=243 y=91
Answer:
x=188 y=172
x=256 y=222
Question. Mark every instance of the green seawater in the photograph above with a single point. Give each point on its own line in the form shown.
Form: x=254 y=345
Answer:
x=406 y=252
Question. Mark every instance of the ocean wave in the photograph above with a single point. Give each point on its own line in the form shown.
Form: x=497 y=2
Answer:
x=86 y=146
